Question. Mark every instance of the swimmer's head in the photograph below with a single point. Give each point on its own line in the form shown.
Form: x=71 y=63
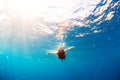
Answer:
x=60 y=48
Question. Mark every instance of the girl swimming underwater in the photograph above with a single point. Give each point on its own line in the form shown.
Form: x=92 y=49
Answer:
x=61 y=52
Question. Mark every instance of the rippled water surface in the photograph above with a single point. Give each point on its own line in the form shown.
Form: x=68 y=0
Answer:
x=31 y=28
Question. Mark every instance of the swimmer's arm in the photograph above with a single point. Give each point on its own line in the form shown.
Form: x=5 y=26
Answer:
x=69 y=48
x=54 y=52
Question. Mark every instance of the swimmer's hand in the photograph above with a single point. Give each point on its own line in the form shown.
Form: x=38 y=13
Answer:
x=47 y=53
x=72 y=47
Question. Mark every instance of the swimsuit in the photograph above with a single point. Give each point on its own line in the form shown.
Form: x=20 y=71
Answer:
x=61 y=55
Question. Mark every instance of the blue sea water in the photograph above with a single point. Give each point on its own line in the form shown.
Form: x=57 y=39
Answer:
x=95 y=56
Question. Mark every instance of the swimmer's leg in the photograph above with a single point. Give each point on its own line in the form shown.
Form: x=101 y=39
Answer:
x=69 y=48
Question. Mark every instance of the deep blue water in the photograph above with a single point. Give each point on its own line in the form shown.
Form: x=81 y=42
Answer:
x=95 y=56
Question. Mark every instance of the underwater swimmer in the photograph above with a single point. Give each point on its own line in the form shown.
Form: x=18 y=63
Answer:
x=61 y=52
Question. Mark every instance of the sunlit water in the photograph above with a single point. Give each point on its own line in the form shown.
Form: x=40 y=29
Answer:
x=30 y=29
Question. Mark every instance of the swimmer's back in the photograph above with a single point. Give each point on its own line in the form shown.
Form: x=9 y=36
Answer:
x=61 y=55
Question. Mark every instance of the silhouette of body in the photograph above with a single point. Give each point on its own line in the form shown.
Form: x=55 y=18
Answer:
x=61 y=53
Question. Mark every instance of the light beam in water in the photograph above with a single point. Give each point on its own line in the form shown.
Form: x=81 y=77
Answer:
x=33 y=18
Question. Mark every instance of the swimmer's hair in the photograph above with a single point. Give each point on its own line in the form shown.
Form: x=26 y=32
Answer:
x=59 y=47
